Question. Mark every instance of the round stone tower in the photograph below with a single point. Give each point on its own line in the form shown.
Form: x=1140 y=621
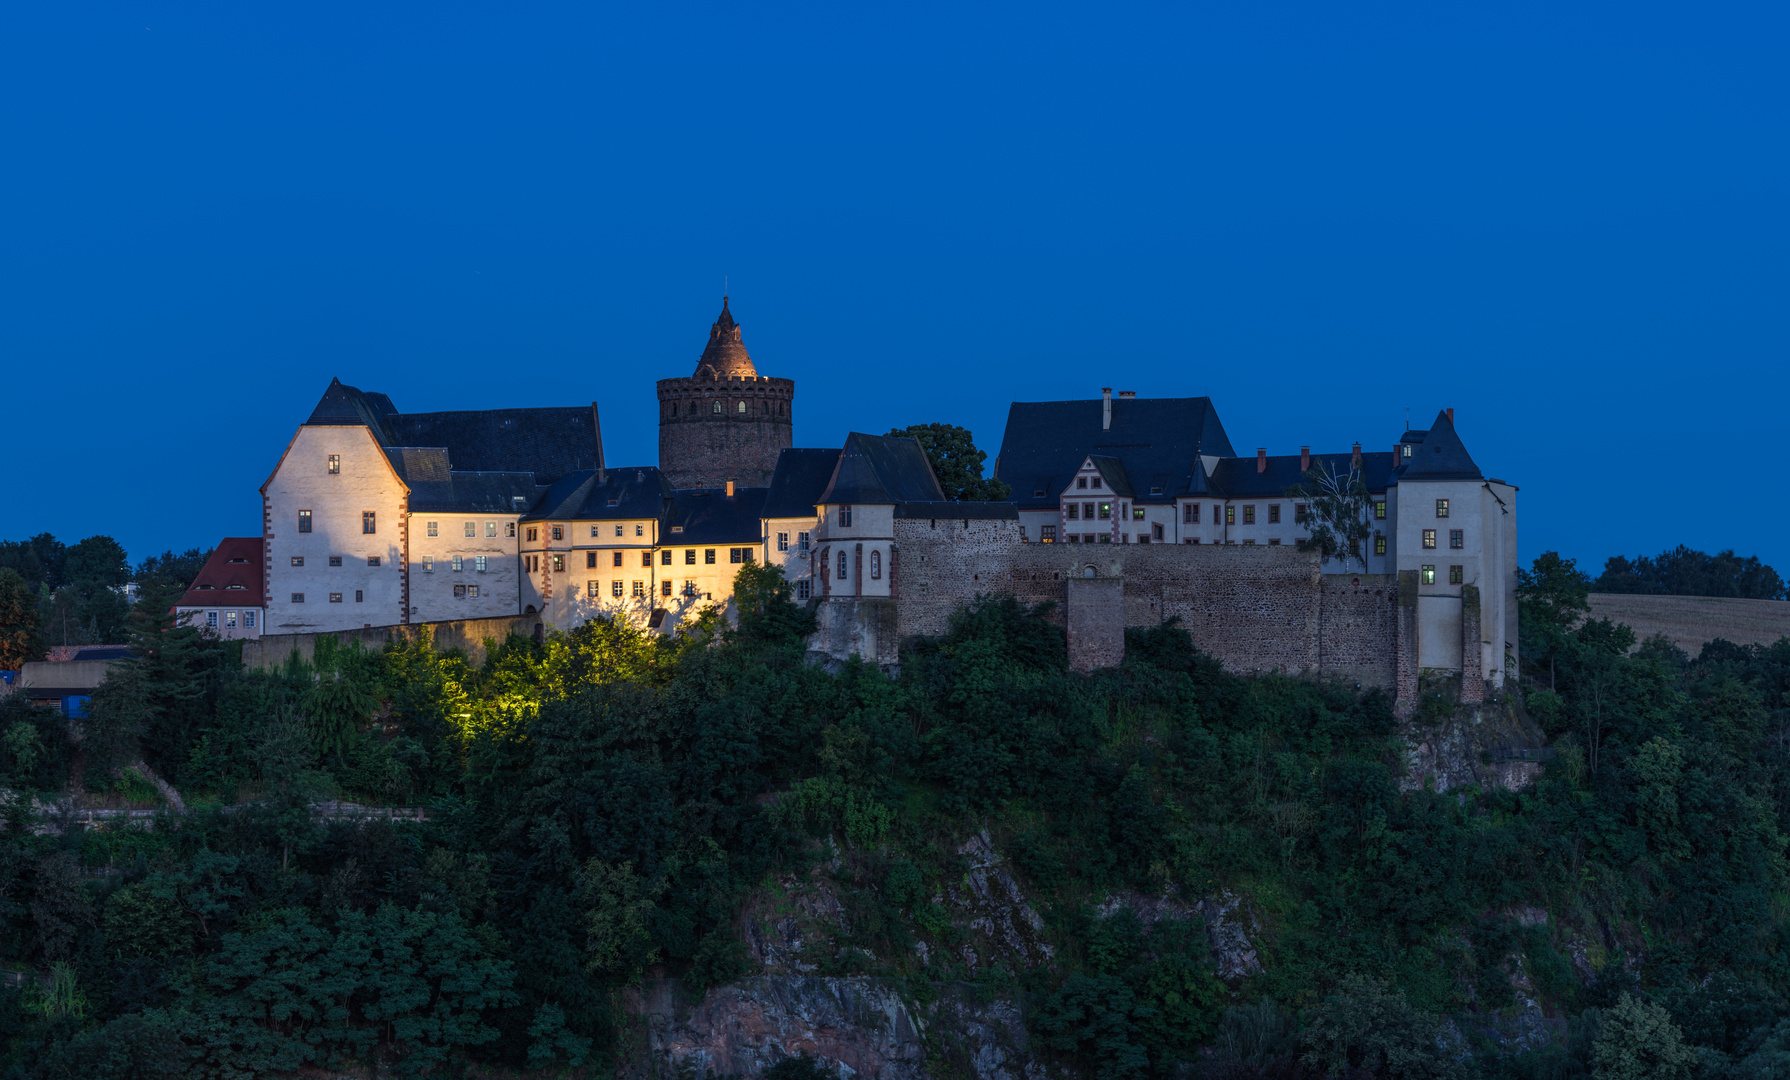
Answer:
x=726 y=422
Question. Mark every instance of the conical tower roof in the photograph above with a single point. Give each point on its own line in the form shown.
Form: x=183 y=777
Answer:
x=726 y=354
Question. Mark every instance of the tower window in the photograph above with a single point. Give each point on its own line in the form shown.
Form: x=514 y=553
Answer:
x=717 y=408
x=876 y=565
x=1190 y=513
x=742 y=409
x=559 y=532
x=845 y=517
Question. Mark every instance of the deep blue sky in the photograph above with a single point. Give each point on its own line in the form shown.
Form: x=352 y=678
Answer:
x=1568 y=222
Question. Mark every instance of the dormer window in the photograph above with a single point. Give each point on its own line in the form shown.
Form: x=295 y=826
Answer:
x=1081 y=481
x=1093 y=481
x=1407 y=449
x=1156 y=490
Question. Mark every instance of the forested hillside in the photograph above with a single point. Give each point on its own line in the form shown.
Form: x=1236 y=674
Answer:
x=607 y=810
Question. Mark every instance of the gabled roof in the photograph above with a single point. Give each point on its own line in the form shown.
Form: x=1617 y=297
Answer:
x=881 y=469
x=1112 y=471
x=638 y=492
x=1045 y=442
x=802 y=474
x=1441 y=455
x=230 y=578
x=548 y=442
x=476 y=493
x=709 y=516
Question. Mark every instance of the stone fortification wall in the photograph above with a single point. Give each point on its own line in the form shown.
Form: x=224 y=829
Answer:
x=702 y=447
x=468 y=635
x=1255 y=608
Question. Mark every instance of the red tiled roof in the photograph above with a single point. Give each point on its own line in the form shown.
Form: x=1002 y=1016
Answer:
x=222 y=571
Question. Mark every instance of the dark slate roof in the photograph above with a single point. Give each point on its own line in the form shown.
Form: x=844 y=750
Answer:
x=638 y=492
x=708 y=516
x=236 y=561
x=959 y=511
x=1441 y=455
x=549 y=442
x=476 y=493
x=881 y=469
x=802 y=474
x=1157 y=439
x=1237 y=478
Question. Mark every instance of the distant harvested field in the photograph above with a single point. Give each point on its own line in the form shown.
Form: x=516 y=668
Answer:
x=1689 y=621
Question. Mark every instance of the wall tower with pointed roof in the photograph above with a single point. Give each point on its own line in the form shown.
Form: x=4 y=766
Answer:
x=725 y=422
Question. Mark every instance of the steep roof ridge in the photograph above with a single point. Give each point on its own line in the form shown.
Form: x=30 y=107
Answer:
x=725 y=355
x=1441 y=455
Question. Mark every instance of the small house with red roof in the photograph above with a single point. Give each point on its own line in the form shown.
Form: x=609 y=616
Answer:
x=226 y=598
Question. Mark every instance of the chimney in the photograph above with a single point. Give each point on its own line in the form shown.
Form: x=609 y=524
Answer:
x=730 y=489
x=1305 y=459
x=1261 y=459
x=1451 y=416
x=1106 y=408
x=1355 y=456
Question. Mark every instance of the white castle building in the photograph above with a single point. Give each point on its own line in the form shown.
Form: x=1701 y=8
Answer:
x=374 y=517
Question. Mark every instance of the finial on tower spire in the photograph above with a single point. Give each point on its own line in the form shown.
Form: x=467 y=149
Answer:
x=726 y=354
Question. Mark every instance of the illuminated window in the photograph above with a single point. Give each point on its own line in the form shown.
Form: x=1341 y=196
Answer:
x=717 y=408
x=1048 y=534
x=509 y=529
x=1441 y=507
x=428 y=564
x=1429 y=538
x=304 y=521
x=559 y=563
x=335 y=598
x=1380 y=509
x=1137 y=513
x=1106 y=511
x=1379 y=545
x=491 y=529
x=229 y=620
x=335 y=464
x=1230 y=515
x=1407 y=449
x=1427 y=574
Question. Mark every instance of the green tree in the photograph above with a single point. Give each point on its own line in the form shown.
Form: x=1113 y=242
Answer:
x=955 y=461
x=21 y=634
x=1338 y=513
x=1551 y=600
x=1368 y=1025
x=1636 y=1040
x=98 y=559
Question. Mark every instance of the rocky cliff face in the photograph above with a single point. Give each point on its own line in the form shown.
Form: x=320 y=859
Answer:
x=869 y=1027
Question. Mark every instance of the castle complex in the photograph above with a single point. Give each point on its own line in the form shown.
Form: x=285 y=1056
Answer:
x=1125 y=512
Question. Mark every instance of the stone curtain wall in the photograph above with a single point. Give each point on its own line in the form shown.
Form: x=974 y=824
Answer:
x=1255 y=608
x=470 y=635
x=707 y=449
